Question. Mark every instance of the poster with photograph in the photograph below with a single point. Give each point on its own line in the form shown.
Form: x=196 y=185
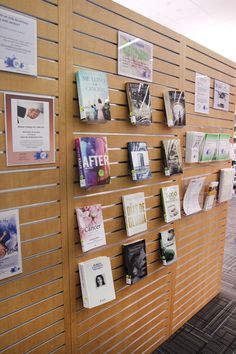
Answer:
x=10 y=248
x=29 y=122
x=202 y=93
x=18 y=43
x=134 y=57
x=221 y=95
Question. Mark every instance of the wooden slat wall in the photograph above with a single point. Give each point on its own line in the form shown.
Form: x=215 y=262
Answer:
x=33 y=303
x=42 y=308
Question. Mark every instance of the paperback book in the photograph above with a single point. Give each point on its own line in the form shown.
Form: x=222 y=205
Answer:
x=226 y=184
x=168 y=246
x=93 y=162
x=10 y=246
x=171 y=203
x=135 y=213
x=139 y=101
x=209 y=147
x=91 y=227
x=223 y=148
x=171 y=156
x=135 y=261
x=139 y=160
x=175 y=108
x=94 y=104
x=96 y=281
x=211 y=194
x=194 y=141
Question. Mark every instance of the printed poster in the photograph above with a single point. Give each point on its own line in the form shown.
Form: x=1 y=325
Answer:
x=29 y=122
x=18 y=43
x=135 y=57
x=221 y=96
x=10 y=248
x=202 y=93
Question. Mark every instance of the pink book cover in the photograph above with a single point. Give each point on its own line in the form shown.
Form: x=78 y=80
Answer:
x=91 y=227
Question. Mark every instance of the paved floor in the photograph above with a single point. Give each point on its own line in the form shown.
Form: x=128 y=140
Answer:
x=213 y=329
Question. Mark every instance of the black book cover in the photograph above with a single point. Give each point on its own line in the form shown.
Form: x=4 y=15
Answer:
x=171 y=156
x=139 y=101
x=135 y=261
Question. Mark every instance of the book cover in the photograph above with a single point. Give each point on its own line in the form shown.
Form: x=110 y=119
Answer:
x=209 y=147
x=171 y=203
x=139 y=101
x=96 y=281
x=91 y=227
x=211 y=193
x=139 y=160
x=194 y=195
x=174 y=102
x=135 y=261
x=94 y=104
x=194 y=141
x=10 y=246
x=226 y=184
x=93 y=162
x=135 y=213
x=171 y=156
x=168 y=246
x=223 y=148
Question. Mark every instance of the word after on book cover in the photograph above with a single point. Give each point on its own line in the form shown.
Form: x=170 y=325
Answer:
x=93 y=163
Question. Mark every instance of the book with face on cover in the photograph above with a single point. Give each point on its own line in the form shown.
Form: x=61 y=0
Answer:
x=171 y=156
x=91 y=227
x=174 y=102
x=139 y=160
x=168 y=246
x=96 y=281
x=135 y=213
x=139 y=101
x=135 y=261
x=94 y=104
x=93 y=162
x=171 y=203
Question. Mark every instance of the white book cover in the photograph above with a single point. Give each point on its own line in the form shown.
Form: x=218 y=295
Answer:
x=171 y=203
x=194 y=142
x=226 y=184
x=168 y=246
x=96 y=281
x=191 y=201
x=91 y=227
x=135 y=213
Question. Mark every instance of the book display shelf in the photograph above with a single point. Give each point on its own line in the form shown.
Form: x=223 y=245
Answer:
x=42 y=308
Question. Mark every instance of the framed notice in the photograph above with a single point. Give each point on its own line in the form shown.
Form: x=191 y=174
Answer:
x=221 y=96
x=29 y=125
x=135 y=57
x=10 y=247
x=18 y=43
x=202 y=93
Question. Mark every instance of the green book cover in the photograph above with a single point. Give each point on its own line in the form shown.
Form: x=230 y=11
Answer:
x=209 y=148
x=223 y=147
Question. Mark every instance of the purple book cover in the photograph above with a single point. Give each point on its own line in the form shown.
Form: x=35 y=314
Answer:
x=93 y=163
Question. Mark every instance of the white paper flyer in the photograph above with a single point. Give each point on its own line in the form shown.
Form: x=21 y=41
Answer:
x=191 y=203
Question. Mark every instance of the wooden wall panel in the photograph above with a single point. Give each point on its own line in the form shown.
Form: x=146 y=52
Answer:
x=41 y=309
x=33 y=304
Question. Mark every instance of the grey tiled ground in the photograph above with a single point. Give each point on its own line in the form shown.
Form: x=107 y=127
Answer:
x=213 y=329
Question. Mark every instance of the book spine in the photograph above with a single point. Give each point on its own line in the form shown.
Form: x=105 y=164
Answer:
x=128 y=275
x=83 y=285
x=80 y=98
x=82 y=179
x=132 y=170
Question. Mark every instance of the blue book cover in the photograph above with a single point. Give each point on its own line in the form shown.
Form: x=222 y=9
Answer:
x=94 y=104
x=139 y=160
x=93 y=163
